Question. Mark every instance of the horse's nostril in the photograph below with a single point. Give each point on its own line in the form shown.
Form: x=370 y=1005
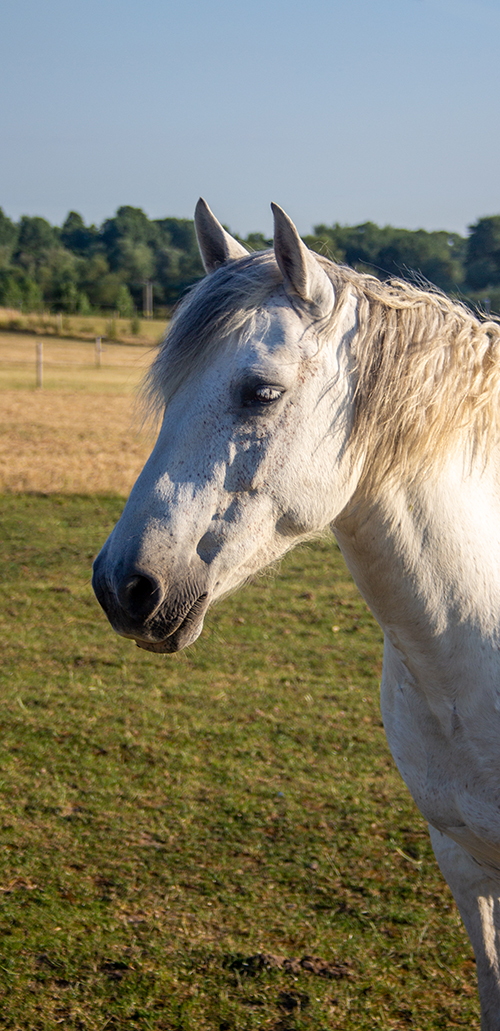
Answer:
x=140 y=596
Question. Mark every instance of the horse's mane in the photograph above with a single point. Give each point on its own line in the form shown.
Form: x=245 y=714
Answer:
x=428 y=376
x=427 y=369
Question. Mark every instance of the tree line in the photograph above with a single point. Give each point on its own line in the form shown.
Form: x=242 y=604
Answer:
x=82 y=268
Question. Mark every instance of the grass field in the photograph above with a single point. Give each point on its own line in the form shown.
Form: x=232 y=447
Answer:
x=81 y=327
x=210 y=841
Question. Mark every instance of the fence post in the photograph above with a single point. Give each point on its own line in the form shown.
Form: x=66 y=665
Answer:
x=39 y=364
x=147 y=300
x=98 y=350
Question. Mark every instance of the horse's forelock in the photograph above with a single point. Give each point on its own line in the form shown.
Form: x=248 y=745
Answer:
x=221 y=304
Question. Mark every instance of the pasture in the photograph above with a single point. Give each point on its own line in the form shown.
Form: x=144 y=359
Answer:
x=70 y=365
x=213 y=840
x=81 y=327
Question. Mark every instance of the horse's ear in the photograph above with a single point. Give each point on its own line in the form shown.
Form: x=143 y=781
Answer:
x=304 y=277
x=216 y=246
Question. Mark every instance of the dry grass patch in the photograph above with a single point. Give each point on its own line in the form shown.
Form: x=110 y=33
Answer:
x=71 y=365
x=81 y=327
x=66 y=442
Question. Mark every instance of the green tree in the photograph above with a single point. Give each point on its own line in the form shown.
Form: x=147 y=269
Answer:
x=482 y=260
x=128 y=224
x=59 y=278
x=387 y=252
x=130 y=242
x=9 y=233
x=107 y=291
x=94 y=272
x=177 y=259
x=134 y=261
x=36 y=237
x=19 y=290
x=78 y=237
x=124 y=302
x=178 y=233
x=436 y=257
x=257 y=242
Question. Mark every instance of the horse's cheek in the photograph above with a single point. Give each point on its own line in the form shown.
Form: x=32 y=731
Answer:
x=248 y=469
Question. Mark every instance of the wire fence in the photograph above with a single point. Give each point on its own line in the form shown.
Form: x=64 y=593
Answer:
x=43 y=357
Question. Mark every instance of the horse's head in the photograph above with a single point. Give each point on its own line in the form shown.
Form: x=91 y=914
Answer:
x=252 y=455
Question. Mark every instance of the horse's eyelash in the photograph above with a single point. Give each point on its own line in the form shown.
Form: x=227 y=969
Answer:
x=251 y=397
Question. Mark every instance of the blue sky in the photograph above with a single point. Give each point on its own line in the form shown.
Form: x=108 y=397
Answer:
x=339 y=110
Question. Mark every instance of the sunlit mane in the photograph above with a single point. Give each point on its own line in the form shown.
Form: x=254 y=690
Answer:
x=427 y=369
x=428 y=372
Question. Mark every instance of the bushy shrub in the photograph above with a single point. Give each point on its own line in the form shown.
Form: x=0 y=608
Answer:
x=124 y=302
x=84 y=306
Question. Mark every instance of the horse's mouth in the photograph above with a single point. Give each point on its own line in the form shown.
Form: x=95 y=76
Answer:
x=183 y=635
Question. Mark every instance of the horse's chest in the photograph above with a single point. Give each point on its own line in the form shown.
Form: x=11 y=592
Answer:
x=451 y=766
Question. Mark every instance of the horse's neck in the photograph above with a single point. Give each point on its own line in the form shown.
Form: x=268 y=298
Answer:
x=428 y=563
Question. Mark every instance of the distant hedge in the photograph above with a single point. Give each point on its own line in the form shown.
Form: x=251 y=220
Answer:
x=80 y=268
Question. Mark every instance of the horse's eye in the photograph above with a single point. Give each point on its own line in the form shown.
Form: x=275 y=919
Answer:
x=267 y=394
x=263 y=395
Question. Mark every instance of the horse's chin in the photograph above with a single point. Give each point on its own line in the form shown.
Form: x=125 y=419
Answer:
x=181 y=638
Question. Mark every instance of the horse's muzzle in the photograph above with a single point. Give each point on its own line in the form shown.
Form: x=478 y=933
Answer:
x=186 y=633
x=139 y=607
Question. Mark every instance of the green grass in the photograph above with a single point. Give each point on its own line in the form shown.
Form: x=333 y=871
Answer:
x=165 y=820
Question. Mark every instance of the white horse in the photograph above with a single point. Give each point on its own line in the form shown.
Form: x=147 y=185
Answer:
x=297 y=395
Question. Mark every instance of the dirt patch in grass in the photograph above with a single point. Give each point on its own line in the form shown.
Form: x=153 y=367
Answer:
x=66 y=442
x=252 y=965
